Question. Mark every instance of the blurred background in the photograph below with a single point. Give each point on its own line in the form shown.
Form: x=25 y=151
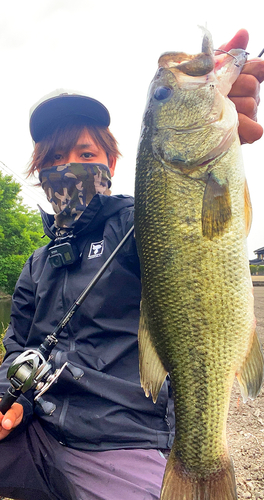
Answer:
x=109 y=50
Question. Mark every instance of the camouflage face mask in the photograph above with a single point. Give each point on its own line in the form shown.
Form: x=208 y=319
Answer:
x=70 y=188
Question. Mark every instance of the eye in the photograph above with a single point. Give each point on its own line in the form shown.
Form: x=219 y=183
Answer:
x=162 y=93
x=57 y=156
x=87 y=155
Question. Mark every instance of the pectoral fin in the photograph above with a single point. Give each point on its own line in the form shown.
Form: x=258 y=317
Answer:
x=152 y=372
x=216 y=211
x=250 y=377
x=248 y=209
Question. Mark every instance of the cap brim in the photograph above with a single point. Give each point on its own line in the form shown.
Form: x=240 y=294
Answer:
x=54 y=110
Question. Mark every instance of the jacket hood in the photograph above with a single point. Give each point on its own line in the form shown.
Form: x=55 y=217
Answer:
x=96 y=213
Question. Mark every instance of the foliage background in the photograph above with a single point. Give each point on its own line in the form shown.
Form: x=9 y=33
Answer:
x=2 y=349
x=257 y=270
x=21 y=232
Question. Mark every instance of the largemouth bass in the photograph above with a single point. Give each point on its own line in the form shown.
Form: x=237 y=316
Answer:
x=192 y=217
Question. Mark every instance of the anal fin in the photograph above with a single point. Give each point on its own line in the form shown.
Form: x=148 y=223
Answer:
x=152 y=372
x=250 y=377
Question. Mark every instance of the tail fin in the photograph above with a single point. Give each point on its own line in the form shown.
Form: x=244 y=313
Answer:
x=179 y=483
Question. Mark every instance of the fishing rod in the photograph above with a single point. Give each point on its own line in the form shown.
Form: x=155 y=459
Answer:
x=31 y=369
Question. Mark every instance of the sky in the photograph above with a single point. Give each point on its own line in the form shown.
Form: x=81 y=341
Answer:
x=109 y=50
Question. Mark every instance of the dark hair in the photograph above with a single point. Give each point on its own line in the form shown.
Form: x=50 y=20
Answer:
x=64 y=137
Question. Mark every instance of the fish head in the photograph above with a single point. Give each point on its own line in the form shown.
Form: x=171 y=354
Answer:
x=188 y=114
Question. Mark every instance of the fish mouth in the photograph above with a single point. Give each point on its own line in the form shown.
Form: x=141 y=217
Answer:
x=184 y=166
x=191 y=128
x=178 y=162
x=190 y=167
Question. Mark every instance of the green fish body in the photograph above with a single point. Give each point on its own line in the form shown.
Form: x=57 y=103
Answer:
x=192 y=216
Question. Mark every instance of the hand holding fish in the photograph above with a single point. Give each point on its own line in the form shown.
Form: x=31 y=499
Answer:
x=245 y=91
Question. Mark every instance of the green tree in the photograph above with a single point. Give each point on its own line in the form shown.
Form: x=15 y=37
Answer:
x=21 y=232
x=256 y=269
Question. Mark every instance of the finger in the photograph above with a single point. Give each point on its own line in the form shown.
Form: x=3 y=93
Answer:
x=246 y=106
x=255 y=67
x=239 y=41
x=249 y=131
x=246 y=86
x=12 y=417
x=3 y=433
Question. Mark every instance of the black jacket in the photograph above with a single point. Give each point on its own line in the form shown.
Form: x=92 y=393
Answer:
x=105 y=408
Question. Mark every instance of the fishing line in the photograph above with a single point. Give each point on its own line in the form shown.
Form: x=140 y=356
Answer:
x=33 y=195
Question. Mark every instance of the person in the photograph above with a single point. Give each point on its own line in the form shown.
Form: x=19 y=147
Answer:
x=94 y=434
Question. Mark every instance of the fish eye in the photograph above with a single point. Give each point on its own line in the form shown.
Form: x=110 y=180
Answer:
x=162 y=93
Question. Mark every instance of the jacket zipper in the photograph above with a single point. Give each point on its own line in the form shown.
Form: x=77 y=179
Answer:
x=58 y=363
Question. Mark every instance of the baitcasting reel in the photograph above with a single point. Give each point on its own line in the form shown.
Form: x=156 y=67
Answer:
x=30 y=370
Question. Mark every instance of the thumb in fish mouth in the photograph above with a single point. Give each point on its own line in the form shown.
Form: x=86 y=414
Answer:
x=192 y=65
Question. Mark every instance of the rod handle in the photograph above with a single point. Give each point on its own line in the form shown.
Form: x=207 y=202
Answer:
x=8 y=399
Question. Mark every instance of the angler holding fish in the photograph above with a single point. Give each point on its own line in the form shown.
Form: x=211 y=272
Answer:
x=94 y=434
x=192 y=217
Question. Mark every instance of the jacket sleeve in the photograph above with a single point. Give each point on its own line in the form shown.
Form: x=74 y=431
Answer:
x=22 y=313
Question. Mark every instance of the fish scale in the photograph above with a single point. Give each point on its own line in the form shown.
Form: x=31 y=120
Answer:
x=197 y=321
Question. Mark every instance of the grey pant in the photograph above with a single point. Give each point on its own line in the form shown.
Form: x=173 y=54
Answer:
x=34 y=466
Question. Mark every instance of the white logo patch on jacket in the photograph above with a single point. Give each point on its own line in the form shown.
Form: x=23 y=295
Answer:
x=96 y=249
